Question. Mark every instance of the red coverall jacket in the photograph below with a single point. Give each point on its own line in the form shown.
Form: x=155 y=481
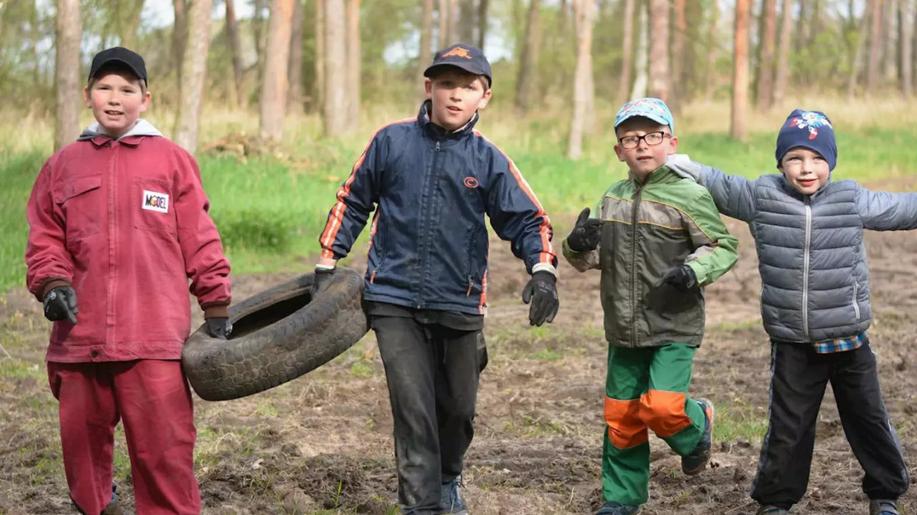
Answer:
x=125 y=222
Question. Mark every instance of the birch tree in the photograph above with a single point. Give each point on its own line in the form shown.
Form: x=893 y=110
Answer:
x=235 y=50
x=528 y=62
x=582 y=76
x=627 y=50
x=740 y=71
x=67 y=73
x=659 y=49
x=334 y=109
x=768 y=35
x=274 y=85
x=193 y=72
x=782 y=66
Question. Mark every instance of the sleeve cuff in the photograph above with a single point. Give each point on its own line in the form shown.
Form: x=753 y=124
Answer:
x=545 y=267
x=221 y=311
x=49 y=285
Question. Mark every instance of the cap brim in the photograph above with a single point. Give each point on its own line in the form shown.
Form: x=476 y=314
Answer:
x=658 y=119
x=468 y=67
x=128 y=65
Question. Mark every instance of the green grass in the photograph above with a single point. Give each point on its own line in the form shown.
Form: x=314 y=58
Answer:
x=739 y=421
x=271 y=207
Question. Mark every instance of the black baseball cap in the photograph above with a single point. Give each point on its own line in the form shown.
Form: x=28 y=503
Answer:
x=128 y=58
x=463 y=56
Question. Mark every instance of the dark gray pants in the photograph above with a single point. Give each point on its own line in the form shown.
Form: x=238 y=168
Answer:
x=432 y=373
x=798 y=379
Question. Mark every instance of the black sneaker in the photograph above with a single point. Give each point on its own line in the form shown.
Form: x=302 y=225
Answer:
x=450 y=498
x=695 y=462
x=614 y=508
x=883 y=507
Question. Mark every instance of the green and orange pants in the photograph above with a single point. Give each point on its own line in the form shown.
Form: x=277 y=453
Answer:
x=646 y=388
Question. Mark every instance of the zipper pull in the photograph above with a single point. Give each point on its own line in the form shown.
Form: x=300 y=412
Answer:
x=437 y=146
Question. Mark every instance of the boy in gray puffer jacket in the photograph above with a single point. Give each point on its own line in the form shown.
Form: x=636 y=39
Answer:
x=808 y=233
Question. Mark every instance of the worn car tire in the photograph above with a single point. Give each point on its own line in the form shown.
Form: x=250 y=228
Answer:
x=278 y=335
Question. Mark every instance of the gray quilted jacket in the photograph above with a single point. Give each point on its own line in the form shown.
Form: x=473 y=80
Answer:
x=810 y=249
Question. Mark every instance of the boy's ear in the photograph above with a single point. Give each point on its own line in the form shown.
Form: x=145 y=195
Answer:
x=618 y=151
x=673 y=145
x=86 y=99
x=486 y=98
x=428 y=88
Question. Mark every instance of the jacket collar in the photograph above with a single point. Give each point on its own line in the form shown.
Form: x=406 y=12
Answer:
x=657 y=175
x=132 y=137
x=425 y=121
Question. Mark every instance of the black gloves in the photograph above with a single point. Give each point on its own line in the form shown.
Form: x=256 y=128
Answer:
x=681 y=278
x=585 y=234
x=219 y=327
x=323 y=278
x=60 y=304
x=541 y=291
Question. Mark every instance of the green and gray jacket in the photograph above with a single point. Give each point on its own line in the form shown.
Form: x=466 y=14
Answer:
x=650 y=228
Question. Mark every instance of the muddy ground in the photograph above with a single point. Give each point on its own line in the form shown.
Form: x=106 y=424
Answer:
x=322 y=443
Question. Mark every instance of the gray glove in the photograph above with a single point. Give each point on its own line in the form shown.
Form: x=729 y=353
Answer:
x=219 y=327
x=683 y=166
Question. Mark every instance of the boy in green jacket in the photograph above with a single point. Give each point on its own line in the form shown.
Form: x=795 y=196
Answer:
x=658 y=239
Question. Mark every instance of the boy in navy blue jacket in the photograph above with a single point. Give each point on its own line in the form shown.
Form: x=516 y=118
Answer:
x=431 y=180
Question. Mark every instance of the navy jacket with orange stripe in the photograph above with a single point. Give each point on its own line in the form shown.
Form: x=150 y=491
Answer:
x=430 y=190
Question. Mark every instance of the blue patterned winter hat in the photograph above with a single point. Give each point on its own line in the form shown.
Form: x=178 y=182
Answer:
x=808 y=129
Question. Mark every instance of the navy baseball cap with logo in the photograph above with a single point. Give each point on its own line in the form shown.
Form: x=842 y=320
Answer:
x=131 y=60
x=463 y=56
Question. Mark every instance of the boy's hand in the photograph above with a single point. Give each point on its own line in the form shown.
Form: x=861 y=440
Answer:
x=586 y=233
x=541 y=292
x=60 y=304
x=682 y=165
x=219 y=327
x=323 y=278
x=681 y=278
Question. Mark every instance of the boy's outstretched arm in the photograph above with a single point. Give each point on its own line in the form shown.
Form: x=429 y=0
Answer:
x=884 y=211
x=715 y=250
x=581 y=246
x=733 y=194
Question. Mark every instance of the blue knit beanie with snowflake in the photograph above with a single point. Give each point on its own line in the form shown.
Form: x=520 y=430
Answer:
x=808 y=129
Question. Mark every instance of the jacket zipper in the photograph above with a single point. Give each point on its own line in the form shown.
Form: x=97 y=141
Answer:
x=425 y=237
x=633 y=266
x=805 y=270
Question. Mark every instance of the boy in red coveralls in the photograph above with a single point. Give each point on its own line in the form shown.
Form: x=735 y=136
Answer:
x=118 y=219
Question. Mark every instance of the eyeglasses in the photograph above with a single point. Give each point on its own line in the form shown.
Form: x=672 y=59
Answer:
x=651 y=138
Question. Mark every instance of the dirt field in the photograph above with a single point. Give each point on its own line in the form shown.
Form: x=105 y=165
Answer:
x=322 y=443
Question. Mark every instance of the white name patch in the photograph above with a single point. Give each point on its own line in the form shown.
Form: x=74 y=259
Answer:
x=155 y=201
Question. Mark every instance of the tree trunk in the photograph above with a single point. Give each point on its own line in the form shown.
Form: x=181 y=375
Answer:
x=875 y=45
x=659 y=49
x=582 y=76
x=482 y=22
x=768 y=35
x=856 y=66
x=528 y=62
x=129 y=21
x=67 y=73
x=627 y=47
x=318 y=87
x=466 y=21
x=296 y=98
x=678 y=92
x=443 y=12
x=194 y=69
x=640 y=58
x=179 y=36
x=335 y=107
x=782 y=67
x=426 y=38
x=258 y=29
x=740 y=72
x=274 y=83
x=235 y=50
x=889 y=54
x=453 y=21
x=907 y=36
x=712 y=42
x=354 y=54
